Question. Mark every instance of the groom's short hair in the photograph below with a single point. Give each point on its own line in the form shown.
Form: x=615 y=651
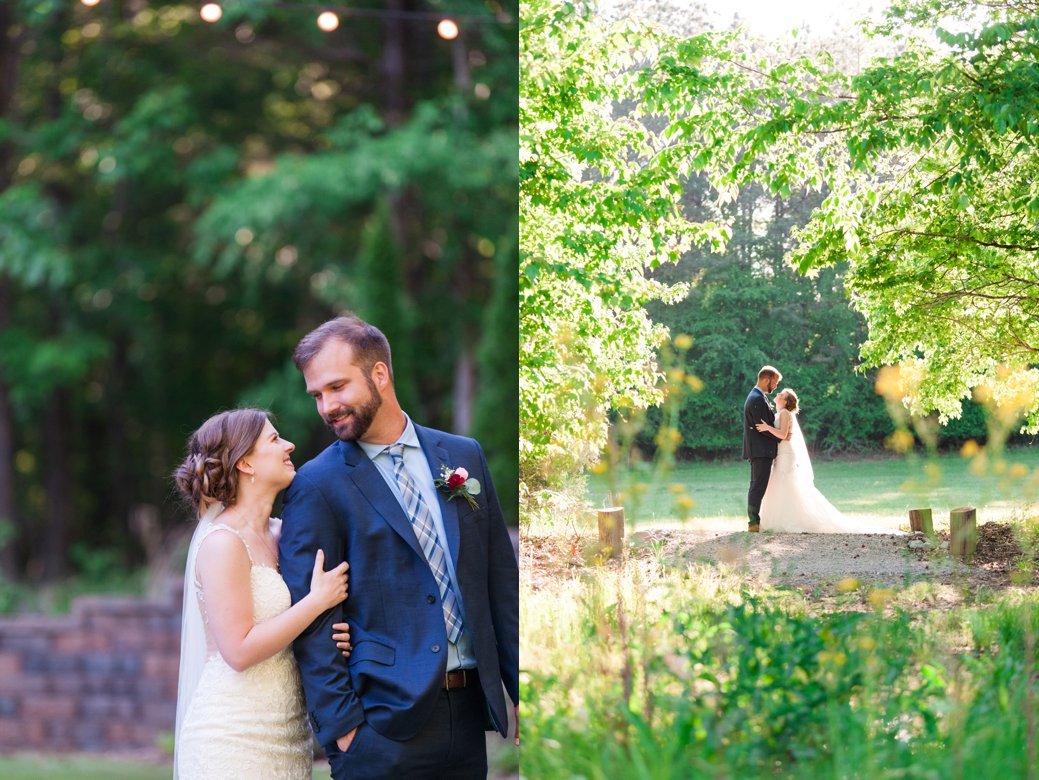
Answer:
x=368 y=342
x=769 y=371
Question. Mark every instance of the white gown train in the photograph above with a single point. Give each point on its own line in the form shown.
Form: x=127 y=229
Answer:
x=792 y=503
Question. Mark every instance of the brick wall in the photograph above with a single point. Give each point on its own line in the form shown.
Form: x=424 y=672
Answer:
x=103 y=677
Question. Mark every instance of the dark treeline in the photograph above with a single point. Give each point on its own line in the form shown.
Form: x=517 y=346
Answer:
x=180 y=202
x=747 y=308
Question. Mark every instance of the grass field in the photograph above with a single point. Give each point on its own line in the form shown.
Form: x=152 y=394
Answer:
x=503 y=759
x=34 y=767
x=880 y=486
x=657 y=666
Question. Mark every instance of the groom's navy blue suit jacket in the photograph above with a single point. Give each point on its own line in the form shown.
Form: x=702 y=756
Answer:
x=340 y=503
x=755 y=443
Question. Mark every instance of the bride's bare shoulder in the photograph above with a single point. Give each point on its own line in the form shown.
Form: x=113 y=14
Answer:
x=222 y=544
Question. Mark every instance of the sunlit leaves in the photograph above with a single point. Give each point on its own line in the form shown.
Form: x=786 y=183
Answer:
x=929 y=159
x=598 y=209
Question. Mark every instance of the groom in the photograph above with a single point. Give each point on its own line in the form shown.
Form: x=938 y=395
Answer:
x=433 y=608
x=759 y=448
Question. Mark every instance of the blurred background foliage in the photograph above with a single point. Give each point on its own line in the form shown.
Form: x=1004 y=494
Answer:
x=181 y=201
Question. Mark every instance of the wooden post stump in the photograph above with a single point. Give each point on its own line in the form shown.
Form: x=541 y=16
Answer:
x=920 y=520
x=963 y=531
x=611 y=530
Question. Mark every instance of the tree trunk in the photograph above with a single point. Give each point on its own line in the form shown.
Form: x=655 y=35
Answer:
x=58 y=483
x=462 y=397
x=118 y=441
x=394 y=64
x=9 y=525
x=611 y=531
x=10 y=48
x=963 y=531
x=920 y=521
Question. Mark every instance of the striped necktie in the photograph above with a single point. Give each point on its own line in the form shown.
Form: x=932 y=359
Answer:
x=426 y=533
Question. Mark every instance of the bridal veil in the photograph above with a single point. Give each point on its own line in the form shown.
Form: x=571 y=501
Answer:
x=193 y=632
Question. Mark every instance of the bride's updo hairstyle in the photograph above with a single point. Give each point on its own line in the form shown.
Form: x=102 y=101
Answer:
x=792 y=402
x=208 y=473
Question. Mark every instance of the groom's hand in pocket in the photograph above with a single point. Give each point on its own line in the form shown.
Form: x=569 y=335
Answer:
x=341 y=636
x=344 y=742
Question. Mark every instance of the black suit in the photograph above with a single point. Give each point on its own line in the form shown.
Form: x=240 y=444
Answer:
x=759 y=448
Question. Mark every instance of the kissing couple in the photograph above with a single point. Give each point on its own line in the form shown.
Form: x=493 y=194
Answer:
x=782 y=494
x=400 y=676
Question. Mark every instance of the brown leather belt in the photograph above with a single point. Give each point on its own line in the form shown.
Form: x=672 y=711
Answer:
x=460 y=678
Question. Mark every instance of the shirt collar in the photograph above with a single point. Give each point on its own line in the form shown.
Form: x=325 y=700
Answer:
x=408 y=437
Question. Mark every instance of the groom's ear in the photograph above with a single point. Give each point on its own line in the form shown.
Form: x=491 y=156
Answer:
x=381 y=375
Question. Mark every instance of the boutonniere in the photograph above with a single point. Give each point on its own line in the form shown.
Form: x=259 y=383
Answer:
x=457 y=483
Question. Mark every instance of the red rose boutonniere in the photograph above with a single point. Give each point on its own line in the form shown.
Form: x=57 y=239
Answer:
x=457 y=483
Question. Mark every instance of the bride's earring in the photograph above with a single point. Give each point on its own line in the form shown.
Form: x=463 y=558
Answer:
x=252 y=479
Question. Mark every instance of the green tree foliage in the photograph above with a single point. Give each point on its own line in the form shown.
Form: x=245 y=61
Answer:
x=599 y=208
x=497 y=408
x=920 y=210
x=929 y=166
x=747 y=308
x=180 y=202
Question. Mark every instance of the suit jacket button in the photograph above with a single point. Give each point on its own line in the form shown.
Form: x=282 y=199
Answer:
x=435 y=648
x=431 y=599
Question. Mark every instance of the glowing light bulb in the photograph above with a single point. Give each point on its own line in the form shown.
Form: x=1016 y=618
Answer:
x=327 y=21
x=211 y=12
x=447 y=30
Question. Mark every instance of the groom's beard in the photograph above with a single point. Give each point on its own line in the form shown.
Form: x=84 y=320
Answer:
x=361 y=417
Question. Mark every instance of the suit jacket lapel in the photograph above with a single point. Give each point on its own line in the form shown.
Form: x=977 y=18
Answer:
x=768 y=403
x=370 y=482
x=437 y=456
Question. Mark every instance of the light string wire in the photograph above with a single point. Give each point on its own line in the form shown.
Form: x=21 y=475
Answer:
x=503 y=17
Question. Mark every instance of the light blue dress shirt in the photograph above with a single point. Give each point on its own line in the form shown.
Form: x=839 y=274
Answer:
x=460 y=654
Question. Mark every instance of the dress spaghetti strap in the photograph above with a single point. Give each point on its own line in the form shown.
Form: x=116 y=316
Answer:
x=222 y=526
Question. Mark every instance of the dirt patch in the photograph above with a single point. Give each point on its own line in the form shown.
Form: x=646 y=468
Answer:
x=809 y=562
x=545 y=559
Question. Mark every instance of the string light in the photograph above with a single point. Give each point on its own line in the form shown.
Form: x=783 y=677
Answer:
x=211 y=12
x=447 y=29
x=328 y=21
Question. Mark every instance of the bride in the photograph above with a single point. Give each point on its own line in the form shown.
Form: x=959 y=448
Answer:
x=240 y=710
x=791 y=502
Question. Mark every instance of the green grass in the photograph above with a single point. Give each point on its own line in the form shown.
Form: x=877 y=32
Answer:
x=874 y=486
x=654 y=667
x=28 y=766
x=34 y=767
x=502 y=757
x=652 y=671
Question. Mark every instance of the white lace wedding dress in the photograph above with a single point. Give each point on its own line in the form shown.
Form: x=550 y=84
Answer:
x=250 y=724
x=792 y=503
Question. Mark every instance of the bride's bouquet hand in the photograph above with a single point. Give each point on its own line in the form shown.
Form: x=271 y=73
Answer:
x=328 y=587
x=341 y=636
